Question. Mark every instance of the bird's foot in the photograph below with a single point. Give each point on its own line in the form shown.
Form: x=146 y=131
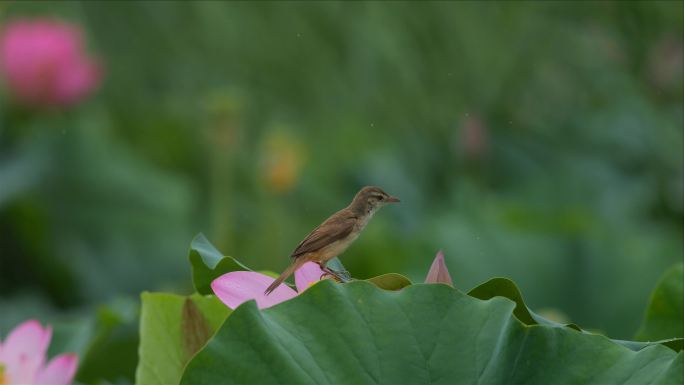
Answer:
x=339 y=276
x=326 y=275
x=344 y=275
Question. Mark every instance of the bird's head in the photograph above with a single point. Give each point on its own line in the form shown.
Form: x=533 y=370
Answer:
x=370 y=198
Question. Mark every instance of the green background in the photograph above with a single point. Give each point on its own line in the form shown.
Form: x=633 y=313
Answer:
x=540 y=141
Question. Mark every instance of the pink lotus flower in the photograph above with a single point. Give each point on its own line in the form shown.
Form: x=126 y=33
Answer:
x=44 y=63
x=22 y=358
x=237 y=287
x=438 y=271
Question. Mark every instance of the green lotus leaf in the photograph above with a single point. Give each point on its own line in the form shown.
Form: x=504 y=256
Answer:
x=503 y=287
x=359 y=334
x=172 y=329
x=664 y=316
x=208 y=263
x=675 y=344
x=391 y=281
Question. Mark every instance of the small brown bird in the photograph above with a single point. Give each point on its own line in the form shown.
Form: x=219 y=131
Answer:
x=332 y=237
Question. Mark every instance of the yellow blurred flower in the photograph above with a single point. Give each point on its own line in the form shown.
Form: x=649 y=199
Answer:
x=281 y=161
x=554 y=315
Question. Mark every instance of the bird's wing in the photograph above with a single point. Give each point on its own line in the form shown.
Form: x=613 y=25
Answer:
x=333 y=229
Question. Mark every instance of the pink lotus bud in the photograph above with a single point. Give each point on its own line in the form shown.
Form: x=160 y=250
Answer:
x=438 y=271
x=44 y=64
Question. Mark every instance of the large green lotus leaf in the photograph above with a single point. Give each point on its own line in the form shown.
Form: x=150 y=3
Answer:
x=664 y=316
x=172 y=329
x=503 y=287
x=423 y=334
x=208 y=263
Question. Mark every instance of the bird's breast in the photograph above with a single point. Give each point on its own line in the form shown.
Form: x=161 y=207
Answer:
x=334 y=249
x=363 y=221
x=338 y=247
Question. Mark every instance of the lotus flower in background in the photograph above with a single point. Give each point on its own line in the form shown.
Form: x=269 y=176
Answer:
x=237 y=287
x=22 y=358
x=44 y=64
x=438 y=271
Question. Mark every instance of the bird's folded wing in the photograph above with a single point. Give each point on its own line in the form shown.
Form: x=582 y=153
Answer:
x=332 y=230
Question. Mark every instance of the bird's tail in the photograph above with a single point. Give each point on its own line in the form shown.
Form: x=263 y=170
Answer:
x=290 y=269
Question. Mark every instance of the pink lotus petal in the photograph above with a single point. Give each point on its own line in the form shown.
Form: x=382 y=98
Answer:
x=438 y=271
x=307 y=275
x=60 y=371
x=24 y=350
x=236 y=287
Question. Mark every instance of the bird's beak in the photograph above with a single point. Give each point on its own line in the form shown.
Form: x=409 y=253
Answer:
x=392 y=199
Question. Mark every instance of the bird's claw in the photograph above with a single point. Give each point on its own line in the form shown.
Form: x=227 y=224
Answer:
x=336 y=275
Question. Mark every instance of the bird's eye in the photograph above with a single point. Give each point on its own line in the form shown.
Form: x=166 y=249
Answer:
x=381 y=197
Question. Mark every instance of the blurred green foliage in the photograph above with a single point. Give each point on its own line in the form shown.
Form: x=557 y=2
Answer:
x=540 y=141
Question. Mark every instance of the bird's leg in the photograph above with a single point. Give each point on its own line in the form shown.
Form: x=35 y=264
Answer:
x=343 y=275
x=330 y=272
x=335 y=274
